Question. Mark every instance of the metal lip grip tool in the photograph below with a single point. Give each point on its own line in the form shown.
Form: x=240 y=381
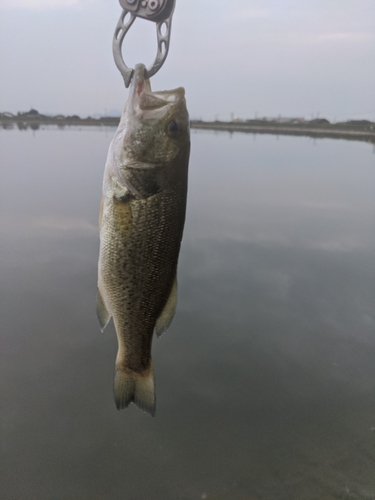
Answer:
x=158 y=11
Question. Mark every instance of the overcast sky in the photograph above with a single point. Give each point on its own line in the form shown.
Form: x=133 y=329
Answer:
x=264 y=57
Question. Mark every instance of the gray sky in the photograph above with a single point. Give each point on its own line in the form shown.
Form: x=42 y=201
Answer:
x=270 y=57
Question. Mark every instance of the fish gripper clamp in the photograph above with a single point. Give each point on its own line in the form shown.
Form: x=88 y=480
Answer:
x=158 y=11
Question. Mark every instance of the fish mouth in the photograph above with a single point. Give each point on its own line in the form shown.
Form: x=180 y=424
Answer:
x=142 y=97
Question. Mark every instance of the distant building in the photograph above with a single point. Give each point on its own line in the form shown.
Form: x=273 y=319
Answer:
x=319 y=121
x=359 y=122
x=294 y=120
x=282 y=119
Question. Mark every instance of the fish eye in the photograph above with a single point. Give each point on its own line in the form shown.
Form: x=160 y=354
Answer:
x=173 y=128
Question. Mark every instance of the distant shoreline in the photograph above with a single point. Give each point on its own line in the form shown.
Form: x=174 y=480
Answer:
x=332 y=131
x=361 y=130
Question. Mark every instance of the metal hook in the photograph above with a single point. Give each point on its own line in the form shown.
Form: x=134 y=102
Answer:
x=158 y=11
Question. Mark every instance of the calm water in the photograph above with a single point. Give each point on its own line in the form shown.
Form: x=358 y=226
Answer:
x=266 y=379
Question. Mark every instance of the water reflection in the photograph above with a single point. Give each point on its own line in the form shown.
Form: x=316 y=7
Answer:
x=265 y=381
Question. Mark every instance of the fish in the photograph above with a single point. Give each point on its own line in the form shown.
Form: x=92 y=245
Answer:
x=141 y=222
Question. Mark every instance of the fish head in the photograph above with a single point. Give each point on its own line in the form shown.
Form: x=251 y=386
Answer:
x=157 y=127
x=154 y=127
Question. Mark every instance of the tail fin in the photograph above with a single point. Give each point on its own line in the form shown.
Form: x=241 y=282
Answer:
x=136 y=388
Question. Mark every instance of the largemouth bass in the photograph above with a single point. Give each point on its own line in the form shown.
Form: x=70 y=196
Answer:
x=141 y=224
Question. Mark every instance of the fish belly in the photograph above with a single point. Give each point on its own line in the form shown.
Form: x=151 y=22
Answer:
x=140 y=243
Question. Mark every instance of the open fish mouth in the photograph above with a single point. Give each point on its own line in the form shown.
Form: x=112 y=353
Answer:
x=142 y=97
x=157 y=100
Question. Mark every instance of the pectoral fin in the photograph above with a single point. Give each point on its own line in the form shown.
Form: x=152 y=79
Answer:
x=166 y=316
x=101 y=311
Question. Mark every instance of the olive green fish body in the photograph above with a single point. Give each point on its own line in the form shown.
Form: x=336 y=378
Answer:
x=141 y=227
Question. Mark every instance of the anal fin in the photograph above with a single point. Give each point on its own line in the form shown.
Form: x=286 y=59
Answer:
x=166 y=316
x=101 y=311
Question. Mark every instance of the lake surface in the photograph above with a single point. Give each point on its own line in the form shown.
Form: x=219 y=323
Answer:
x=266 y=378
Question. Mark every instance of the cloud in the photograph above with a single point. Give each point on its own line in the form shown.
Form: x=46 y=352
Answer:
x=41 y=4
